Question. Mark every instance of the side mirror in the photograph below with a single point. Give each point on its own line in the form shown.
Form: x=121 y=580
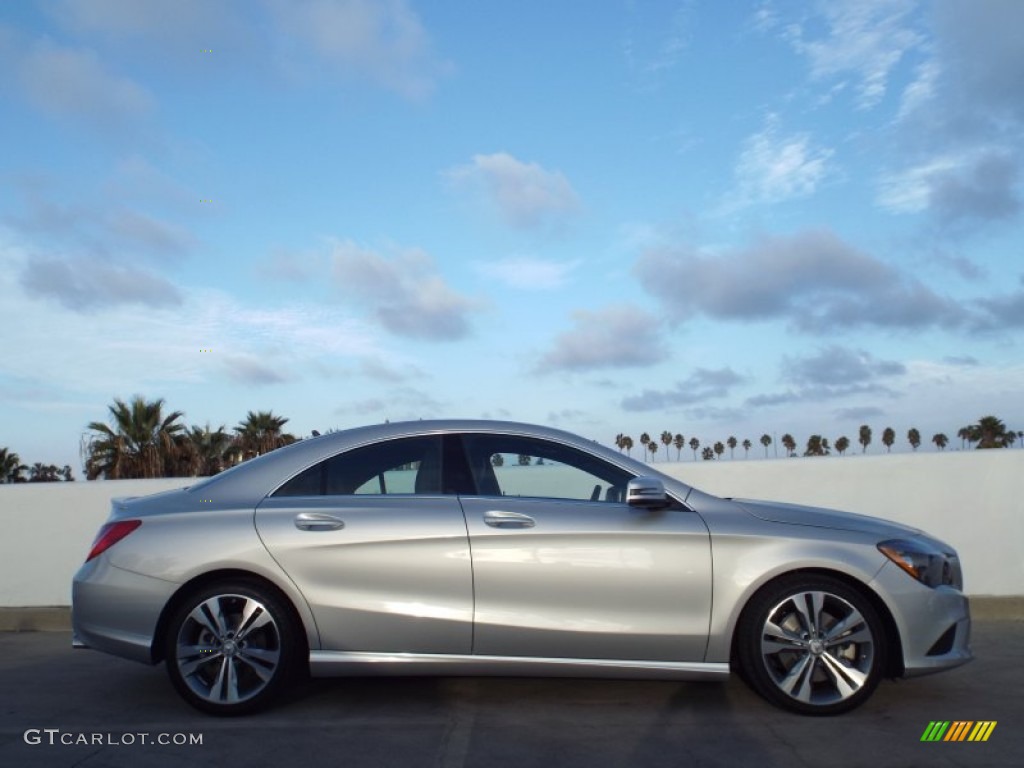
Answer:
x=646 y=492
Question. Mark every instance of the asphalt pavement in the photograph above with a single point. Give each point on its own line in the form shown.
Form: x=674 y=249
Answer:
x=60 y=707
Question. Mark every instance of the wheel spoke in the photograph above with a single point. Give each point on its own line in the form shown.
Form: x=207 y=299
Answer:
x=847 y=680
x=208 y=614
x=264 y=656
x=775 y=639
x=192 y=657
x=809 y=605
x=217 y=689
x=797 y=682
x=253 y=617
x=232 y=681
x=225 y=687
x=257 y=664
x=849 y=629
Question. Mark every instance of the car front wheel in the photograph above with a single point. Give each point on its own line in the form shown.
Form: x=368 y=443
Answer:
x=812 y=644
x=231 y=648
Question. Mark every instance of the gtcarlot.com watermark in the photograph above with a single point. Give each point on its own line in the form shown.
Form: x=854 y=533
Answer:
x=55 y=737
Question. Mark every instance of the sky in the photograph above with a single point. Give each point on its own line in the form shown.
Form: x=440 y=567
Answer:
x=711 y=218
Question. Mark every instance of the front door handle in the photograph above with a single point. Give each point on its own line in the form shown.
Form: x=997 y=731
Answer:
x=498 y=519
x=317 y=521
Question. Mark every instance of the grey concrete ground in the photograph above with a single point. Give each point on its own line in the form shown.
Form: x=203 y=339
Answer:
x=496 y=722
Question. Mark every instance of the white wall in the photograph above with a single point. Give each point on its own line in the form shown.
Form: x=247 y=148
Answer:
x=972 y=499
x=46 y=530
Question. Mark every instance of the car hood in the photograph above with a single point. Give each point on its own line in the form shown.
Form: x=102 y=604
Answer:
x=795 y=514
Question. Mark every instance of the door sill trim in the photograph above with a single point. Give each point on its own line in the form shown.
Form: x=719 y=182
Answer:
x=350 y=663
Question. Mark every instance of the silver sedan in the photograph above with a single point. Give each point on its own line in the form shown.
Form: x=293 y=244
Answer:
x=492 y=548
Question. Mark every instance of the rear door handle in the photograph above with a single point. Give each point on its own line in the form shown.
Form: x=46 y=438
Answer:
x=317 y=521
x=498 y=519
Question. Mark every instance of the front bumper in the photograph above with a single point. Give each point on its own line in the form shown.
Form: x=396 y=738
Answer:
x=934 y=623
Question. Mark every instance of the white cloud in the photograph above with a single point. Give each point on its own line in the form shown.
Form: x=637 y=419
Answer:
x=813 y=279
x=526 y=195
x=119 y=346
x=65 y=81
x=772 y=168
x=700 y=386
x=382 y=40
x=613 y=337
x=248 y=369
x=189 y=24
x=528 y=273
x=921 y=90
x=865 y=38
x=405 y=293
x=979 y=184
x=909 y=191
x=91 y=283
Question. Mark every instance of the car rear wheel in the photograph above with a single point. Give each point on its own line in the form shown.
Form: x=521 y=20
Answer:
x=811 y=644
x=231 y=648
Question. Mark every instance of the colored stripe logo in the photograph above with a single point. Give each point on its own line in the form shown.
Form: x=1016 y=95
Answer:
x=958 y=730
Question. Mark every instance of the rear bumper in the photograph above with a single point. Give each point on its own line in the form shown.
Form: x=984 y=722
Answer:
x=116 y=611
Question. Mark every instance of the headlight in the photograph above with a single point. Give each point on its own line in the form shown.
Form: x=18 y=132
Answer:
x=925 y=561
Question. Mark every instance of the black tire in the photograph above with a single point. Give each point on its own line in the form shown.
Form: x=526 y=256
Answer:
x=231 y=648
x=829 y=653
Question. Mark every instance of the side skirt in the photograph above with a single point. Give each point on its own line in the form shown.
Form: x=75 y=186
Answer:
x=344 y=663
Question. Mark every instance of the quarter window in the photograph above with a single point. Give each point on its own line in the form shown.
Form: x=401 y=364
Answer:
x=408 y=465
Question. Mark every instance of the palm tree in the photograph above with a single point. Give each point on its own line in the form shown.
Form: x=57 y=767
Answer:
x=789 y=444
x=816 y=446
x=888 y=438
x=645 y=440
x=731 y=442
x=1020 y=437
x=627 y=443
x=618 y=441
x=209 y=449
x=842 y=444
x=990 y=432
x=694 y=445
x=964 y=433
x=766 y=440
x=44 y=473
x=261 y=433
x=653 y=448
x=679 y=442
x=498 y=460
x=746 y=448
x=719 y=449
x=11 y=467
x=864 y=437
x=142 y=442
x=707 y=454
x=666 y=439
x=914 y=438
x=940 y=441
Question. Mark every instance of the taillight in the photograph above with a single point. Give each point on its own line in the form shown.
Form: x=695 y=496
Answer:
x=110 y=534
